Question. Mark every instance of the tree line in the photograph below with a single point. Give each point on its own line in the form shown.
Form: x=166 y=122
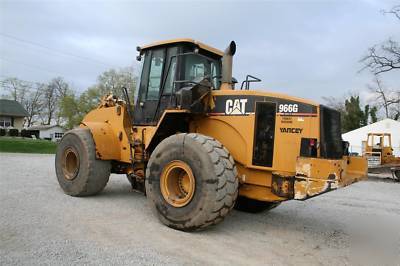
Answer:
x=57 y=102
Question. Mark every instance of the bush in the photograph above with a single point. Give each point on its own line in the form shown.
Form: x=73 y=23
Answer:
x=28 y=133
x=13 y=132
x=2 y=132
x=25 y=133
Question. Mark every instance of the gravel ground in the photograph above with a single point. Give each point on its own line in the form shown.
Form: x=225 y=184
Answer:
x=39 y=224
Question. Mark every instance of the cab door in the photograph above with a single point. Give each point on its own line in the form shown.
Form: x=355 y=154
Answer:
x=167 y=93
x=150 y=86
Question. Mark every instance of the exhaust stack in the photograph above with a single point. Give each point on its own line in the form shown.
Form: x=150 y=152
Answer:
x=227 y=59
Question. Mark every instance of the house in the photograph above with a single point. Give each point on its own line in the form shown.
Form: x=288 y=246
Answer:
x=355 y=137
x=12 y=114
x=49 y=132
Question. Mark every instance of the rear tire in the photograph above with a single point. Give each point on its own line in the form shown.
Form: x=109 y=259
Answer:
x=254 y=206
x=78 y=171
x=208 y=179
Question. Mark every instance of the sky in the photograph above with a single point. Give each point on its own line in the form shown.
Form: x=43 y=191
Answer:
x=308 y=49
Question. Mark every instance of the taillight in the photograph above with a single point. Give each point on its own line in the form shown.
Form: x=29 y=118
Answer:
x=308 y=147
x=312 y=142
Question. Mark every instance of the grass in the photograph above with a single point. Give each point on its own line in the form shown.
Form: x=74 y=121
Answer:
x=26 y=145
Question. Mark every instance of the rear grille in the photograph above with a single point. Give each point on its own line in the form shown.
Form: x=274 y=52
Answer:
x=331 y=133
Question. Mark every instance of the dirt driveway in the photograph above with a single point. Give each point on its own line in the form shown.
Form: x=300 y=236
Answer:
x=40 y=225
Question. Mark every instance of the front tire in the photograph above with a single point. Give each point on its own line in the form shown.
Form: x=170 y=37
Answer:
x=191 y=181
x=78 y=171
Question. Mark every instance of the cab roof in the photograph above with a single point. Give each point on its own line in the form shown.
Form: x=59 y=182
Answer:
x=184 y=40
x=379 y=134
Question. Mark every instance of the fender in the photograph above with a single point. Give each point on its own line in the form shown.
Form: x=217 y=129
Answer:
x=111 y=131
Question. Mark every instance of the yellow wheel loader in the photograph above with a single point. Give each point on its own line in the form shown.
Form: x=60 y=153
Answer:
x=198 y=147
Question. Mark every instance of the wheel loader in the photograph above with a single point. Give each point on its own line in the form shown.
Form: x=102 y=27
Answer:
x=379 y=153
x=198 y=147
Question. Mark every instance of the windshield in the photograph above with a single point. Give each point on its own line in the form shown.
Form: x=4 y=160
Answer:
x=197 y=67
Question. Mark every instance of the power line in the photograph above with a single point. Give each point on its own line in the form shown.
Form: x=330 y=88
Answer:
x=55 y=50
x=29 y=66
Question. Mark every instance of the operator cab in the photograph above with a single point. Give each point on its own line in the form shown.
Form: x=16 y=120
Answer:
x=379 y=141
x=169 y=67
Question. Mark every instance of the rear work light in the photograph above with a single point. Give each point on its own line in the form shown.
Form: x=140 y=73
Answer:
x=308 y=147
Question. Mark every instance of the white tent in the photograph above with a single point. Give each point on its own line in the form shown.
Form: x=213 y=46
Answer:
x=356 y=136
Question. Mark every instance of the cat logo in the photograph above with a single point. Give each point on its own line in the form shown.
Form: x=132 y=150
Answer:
x=235 y=107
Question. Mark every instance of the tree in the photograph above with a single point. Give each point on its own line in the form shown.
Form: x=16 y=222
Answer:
x=373 y=115
x=387 y=99
x=16 y=88
x=384 y=57
x=354 y=117
x=73 y=108
x=380 y=59
x=53 y=93
x=61 y=86
x=394 y=11
x=57 y=102
x=70 y=110
x=28 y=94
x=336 y=103
x=33 y=104
x=112 y=81
x=50 y=102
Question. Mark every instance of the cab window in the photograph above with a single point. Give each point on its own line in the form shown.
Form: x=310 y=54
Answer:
x=169 y=82
x=199 y=67
x=171 y=68
x=155 y=74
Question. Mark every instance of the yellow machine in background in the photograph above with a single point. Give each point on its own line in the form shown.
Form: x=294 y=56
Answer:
x=379 y=152
x=199 y=147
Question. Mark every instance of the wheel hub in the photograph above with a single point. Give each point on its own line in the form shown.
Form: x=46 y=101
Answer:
x=177 y=183
x=70 y=165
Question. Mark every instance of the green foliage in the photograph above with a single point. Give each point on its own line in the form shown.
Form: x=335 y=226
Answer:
x=55 y=102
x=354 y=117
x=372 y=113
x=13 y=132
x=70 y=111
x=365 y=115
x=10 y=144
x=112 y=81
x=73 y=108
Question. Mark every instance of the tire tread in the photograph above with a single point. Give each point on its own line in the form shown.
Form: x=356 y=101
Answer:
x=98 y=170
x=228 y=182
